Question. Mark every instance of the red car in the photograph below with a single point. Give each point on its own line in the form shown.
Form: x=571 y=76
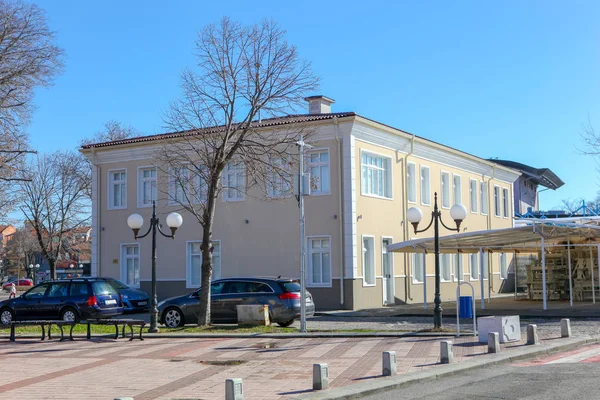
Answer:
x=20 y=282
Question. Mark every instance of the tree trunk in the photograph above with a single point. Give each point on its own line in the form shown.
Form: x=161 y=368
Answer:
x=204 y=315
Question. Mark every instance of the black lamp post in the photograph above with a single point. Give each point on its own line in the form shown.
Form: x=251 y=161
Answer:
x=135 y=222
x=414 y=215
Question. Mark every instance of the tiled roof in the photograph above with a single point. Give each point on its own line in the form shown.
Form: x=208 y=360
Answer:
x=288 y=119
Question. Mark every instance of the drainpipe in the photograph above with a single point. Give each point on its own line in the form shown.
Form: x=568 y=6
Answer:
x=340 y=210
x=407 y=294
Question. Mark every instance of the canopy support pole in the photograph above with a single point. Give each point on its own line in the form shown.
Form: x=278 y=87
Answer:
x=425 y=279
x=544 y=273
x=481 y=283
x=592 y=270
x=598 y=265
x=570 y=273
x=515 y=273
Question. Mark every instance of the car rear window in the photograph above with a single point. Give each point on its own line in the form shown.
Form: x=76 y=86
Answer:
x=290 y=286
x=102 y=288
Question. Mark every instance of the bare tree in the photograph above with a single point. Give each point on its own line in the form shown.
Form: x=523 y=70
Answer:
x=112 y=130
x=56 y=200
x=28 y=60
x=244 y=73
x=21 y=250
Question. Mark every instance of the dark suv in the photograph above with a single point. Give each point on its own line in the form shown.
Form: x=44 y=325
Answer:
x=69 y=300
x=281 y=294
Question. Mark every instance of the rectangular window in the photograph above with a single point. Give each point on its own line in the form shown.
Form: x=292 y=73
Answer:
x=117 y=189
x=199 y=187
x=130 y=264
x=418 y=268
x=318 y=166
x=147 y=186
x=376 y=176
x=483 y=190
x=411 y=182
x=496 y=201
x=445 y=267
x=503 y=266
x=234 y=181
x=486 y=271
x=425 y=186
x=445 y=190
x=457 y=189
x=369 y=260
x=178 y=185
x=473 y=194
x=505 y=203
x=458 y=267
x=474 y=266
x=194 y=262
x=279 y=178
x=319 y=261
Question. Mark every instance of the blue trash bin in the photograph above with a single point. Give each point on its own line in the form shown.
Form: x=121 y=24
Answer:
x=466 y=307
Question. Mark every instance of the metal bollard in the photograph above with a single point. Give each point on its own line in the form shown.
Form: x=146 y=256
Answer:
x=493 y=342
x=446 y=356
x=565 y=327
x=389 y=363
x=320 y=376
x=532 y=336
x=234 y=389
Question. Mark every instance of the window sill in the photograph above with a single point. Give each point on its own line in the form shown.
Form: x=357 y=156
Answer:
x=140 y=205
x=117 y=208
x=319 y=194
x=376 y=196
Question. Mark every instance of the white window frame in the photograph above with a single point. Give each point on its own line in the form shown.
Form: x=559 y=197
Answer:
x=503 y=265
x=318 y=190
x=386 y=178
x=188 y=263
x=483 y=197
x=373 y=258
x=174 y=186
x=411 y=179
x=425 y=185
x=276 y=182
x=232 y=169
x=123 y=264
x=505 y=203
x=421 y=256
x=476 y=257
x=445 y=196
x=111 y=188
x=497 y=201
x=454 y=176
x=140 y=186
x=446 y=265
x=309 y=269
x=473 y=195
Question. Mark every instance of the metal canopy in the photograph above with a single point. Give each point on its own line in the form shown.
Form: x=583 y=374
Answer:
x=522 y=239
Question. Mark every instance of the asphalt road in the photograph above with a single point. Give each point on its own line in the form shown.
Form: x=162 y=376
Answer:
x=544 y=382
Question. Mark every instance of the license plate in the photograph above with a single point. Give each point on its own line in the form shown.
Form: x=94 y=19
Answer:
x=107 y=302
x=142 y=303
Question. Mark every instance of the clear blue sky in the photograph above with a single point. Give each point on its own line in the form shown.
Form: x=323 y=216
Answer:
x=510 y=79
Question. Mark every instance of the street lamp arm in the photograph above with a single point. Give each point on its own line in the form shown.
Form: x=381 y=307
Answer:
x=171 y=236
x=136 y=236
x=428 y=226
x=457 y=229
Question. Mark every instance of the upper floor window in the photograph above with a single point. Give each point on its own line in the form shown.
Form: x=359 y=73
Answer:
x=147 y=186
x=376 y=175
x=425 y=186
x=496 y=201
x=445 y=190
x=178 y=185
x=473 y=192
x=279 y=178
x=505 y=203
x=483 y=190
x=318 y=166
x=411 y=182
x=234 y=181
x=117 y=189
x=199 y=186
x=457 y=189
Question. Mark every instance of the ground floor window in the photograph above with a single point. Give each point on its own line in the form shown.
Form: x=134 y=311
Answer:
x=445 y=267
x=503 y=266
x=369 y=260
x=319 y=261
x=474 y=266
x=130 y=264
x=418 y=268
x=194 y=262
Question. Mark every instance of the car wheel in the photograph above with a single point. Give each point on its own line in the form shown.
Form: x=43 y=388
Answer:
x=69 y=314
x=173 y=317
x=6 y=316
x=286 y=323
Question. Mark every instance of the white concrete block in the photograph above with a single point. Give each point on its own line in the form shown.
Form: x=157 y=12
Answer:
x=234 y=389
x=320 y=376
x=507 y=326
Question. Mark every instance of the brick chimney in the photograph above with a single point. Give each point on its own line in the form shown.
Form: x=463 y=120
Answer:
x=319 y=104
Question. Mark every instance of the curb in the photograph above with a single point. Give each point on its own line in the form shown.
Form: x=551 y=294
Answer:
x=386 y=384
x=453 y=316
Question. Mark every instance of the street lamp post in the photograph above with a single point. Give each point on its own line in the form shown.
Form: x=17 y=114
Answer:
x=414 y=215
x=135 y=222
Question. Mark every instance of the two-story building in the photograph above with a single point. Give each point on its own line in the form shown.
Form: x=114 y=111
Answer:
x=368 y=175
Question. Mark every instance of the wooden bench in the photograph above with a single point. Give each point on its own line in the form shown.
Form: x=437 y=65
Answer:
x=117 y=322
x=44 y=324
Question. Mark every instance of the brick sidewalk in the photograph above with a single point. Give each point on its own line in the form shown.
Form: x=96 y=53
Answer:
x=197 y=368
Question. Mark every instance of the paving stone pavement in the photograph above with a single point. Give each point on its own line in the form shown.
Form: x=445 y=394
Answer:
x=178 y=368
